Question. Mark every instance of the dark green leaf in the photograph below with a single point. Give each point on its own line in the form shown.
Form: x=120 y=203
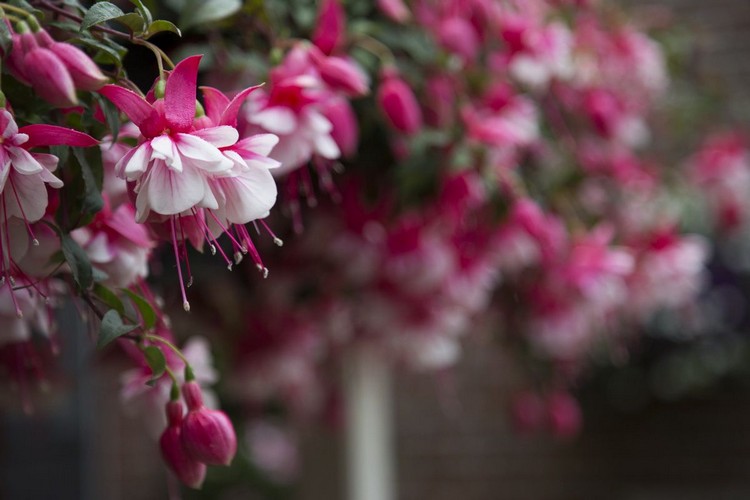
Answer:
x=92 y=181
x=198 y=12
x=156 y=361
x=161 y=26
x=108 y=53
x=99 y=275
x=132 y=20
x=141 y=7
x=111 y=115
x=148 y=315
x=109 y=297
x=5 y=38
x=78 y=261
x=112 y=328
x=99 y=13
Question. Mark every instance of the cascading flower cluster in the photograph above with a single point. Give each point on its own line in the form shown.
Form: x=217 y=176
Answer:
x=495 y=178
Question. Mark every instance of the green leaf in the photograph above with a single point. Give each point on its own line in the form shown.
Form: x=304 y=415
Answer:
x=141 y=7
x=5 y=38
x=109 y=297
x=148 y=315
x=161 y=26
x=100 y=12
x=108 y=53
x=198 y=12
x=132 y=20
x=92 y=181
x=78 y=261
x=156 y=361
x=111 y=115
x=112 y=328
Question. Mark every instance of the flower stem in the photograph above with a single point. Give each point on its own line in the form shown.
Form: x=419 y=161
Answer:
x=174 y=348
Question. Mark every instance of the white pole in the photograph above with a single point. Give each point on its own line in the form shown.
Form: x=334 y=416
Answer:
x=370 y=458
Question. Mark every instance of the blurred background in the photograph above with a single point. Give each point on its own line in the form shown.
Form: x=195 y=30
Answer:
x=668 y=422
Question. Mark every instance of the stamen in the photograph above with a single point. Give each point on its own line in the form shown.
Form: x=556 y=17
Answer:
x=185 y=303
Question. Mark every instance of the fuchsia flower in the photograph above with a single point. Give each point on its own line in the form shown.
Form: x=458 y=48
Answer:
x=207 y=435
x=24 y=177
x=184 y=166
x=330 y=26
x=188 y=470
x=398 y=103
x=54 y=69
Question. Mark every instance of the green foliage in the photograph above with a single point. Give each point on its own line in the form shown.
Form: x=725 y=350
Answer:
x=112 y=328
x=156 y=361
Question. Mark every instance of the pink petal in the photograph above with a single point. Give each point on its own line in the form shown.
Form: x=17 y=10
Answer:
x=52 y=135
x=47 y=161
x=229 y=117
x=136 y=107
x=122 y=221
x=49 y=178
x=221 y=137
x=179 y=94
x=215 y=102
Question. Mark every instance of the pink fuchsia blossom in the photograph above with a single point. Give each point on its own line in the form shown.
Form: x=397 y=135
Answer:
x=24 y=177
x=564 y=415
x=396 y=10
x=207 y=435
x=188 y=470
x=330 y=27
x=84 y=72
x=398 y=103
x=116 y=244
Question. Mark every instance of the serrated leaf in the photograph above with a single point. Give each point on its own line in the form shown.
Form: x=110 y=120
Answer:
x=148 y=315
x=109 y=297
x=100 y=12
x=156 y=361
x=112 y=328
x=78 y=261
x=92 y=196
x=160 y=26
x=198 y=12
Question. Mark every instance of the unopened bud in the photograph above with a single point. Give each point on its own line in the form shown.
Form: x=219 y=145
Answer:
x=189 y=471
x=207 y=435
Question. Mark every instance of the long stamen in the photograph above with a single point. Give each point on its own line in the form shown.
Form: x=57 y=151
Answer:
x=185 y=303
x=276 y=240
x=34 y=241
x=185 y=252
x=215 y=246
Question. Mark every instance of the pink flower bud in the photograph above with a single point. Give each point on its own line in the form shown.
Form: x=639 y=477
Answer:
x=458 y=36
x=527 y=412
x=207 y=435
x=396 y=10
x=564 y=415
x=329 y=29
x=189 y=471
x=344 y=75
x=85 y=72
x=49 y=77
x=345 y=130
x=399 y=104
x=22 y=44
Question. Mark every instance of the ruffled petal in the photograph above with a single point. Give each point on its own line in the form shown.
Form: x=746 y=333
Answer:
x=276 y=119
x=164 y=149
x=23 y=162
x=221 y=137
x=202 y=154
x=169 y=192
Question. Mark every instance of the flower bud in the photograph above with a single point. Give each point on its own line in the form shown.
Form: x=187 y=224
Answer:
x=345 y=75
x=399 y=104
x=564 y=415
x=49 y=77
x=83 y=70
x=189 y=471
x=22 y=44
x=329 y=29
x=345 y=130
x=396 y=10
x=207 y=435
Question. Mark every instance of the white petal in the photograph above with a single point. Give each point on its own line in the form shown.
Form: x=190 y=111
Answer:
x=202 y=154
x=221 y=137
x=28 y=199
x=134 y=163
x=170 y=192
x=261 y=144
x=23 y=162
x=164 y=149
x=249 y=196
x=278 y=119
x=326 y=147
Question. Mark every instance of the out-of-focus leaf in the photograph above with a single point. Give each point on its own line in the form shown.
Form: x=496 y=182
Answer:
x=112 y=328
x=196 y=12
x=78 y=261
x=161 y=26
x=100 y=12
x=148 y=315
x=156 y=361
